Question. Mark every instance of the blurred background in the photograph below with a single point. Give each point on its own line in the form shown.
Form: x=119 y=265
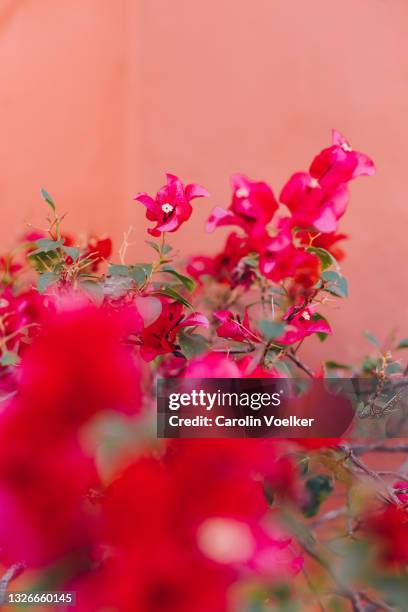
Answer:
x=99 y=98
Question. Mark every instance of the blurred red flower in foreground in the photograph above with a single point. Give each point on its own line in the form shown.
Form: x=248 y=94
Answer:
x=191 y=514
x=171 y=207
x=389 y=527
x=76 y=368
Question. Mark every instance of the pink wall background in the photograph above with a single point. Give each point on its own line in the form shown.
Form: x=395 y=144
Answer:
x=98 y=98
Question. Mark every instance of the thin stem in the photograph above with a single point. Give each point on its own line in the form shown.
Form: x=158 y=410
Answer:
x=300 y=364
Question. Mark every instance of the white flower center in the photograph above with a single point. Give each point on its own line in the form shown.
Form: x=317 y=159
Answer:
x=242 y=192
x=314 y=183
x=346 y=147
x=306 y=316
x=167 y=208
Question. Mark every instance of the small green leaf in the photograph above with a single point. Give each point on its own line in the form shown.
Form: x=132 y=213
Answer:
x=140 y=272
x=93 y=290
x=72 y=252
x=153 y=245
x=118 y=270
x=318 y=488
x=371 y=338
x=9 y=359
x=325 y=257
x=251 y=262
x=46 y=245
x=318 y=317
x=45 y=280
x=47 y=198
x=174 y=295
x=271 y=329
x=188 y=282
x=336 y=283
x=334 y=365
x=394 y=368
x=166 y=248
x=192 y=345
x=403 y=344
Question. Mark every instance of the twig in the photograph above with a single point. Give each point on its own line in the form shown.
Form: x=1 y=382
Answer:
x=329 y=516
x=300 y=364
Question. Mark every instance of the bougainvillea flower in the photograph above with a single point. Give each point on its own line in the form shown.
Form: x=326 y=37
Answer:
x=160 y=337
x=324 y=241
x=227 y=266
x=312 y=204
x=44 y=511
x=99 y=249
x=232 y=542
x=251 y=369
x=280 y=258
x=252 y=208
x=389 y=528
x=80 y=365
x=154 y=560
x=301 y=323
x=340 y=163
x=76 y=368
x=212 y=365
x=400 y=486
x=233 y=328
x=171 y=207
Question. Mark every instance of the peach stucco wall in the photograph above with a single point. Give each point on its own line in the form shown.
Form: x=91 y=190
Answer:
x=99 y=97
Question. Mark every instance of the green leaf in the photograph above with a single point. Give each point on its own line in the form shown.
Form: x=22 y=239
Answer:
x=161 y=250
x=371 y=338
x=140 y=272
x=174 y=295
x=93 y=290
x=403 y=344
x=334 y=365
x=192 y=345
x=72 y=252
x=118 y=270
x=251 y=262
x=47 y=198
x=325 y=257
x=153 y=245
x=336 y=283
x=318 y=317
x=188 y=282
x=9 y=359
x=394 y=368
x=45 y=280
x=271 y=329
x=46 y=245
x=318 y=488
